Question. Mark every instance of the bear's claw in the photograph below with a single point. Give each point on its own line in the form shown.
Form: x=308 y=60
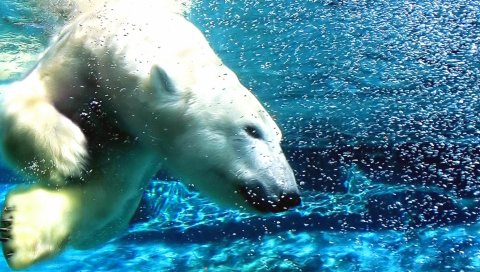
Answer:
x=9 y=209
x=9 y=255
x=6 y=222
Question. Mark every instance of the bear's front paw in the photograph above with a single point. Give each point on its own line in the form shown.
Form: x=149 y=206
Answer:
x=42 y=142
x=35 y=225
x=68 y=152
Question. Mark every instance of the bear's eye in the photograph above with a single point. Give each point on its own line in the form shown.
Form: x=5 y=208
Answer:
x=253 y=131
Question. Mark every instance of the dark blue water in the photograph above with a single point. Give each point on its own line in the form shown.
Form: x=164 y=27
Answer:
x=379 y=102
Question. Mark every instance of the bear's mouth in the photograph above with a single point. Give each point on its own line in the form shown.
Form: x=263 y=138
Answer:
x=258 y=197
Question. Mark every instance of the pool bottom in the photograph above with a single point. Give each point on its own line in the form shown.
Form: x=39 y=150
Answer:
x=455 y=248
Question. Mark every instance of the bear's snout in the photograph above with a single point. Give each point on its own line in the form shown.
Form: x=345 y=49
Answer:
x=263 y=200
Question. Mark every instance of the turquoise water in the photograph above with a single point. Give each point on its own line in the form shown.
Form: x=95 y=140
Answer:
x=379 y=105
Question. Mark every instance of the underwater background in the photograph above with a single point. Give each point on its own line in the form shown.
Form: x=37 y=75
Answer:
x=379 y=103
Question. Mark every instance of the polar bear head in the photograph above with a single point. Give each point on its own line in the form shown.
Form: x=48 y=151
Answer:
x=216 y=136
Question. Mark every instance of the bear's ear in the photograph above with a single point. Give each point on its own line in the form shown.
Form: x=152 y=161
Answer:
x=161 y=81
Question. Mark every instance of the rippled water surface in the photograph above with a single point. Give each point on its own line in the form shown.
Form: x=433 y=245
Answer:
x=379 y=103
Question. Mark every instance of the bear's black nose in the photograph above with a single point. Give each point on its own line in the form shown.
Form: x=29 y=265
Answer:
x=289 y=200
x=260 y=199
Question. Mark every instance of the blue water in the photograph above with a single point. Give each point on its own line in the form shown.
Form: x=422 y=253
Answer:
x=380 y=108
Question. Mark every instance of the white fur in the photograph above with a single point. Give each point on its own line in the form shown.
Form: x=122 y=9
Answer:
x=38 y=140
x=123 y=90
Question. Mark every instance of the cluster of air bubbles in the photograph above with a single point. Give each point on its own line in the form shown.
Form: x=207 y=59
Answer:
x=389 y=88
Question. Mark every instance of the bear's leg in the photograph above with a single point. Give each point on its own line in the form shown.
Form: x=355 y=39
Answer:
x=38 y=139
x=36 y=224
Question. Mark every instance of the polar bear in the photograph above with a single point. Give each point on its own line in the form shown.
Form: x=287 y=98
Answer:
x=129 y=87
